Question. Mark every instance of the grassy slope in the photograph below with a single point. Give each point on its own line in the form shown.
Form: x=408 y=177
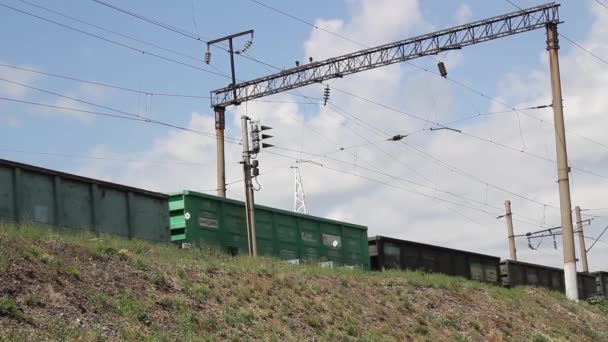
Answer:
x=82 y=287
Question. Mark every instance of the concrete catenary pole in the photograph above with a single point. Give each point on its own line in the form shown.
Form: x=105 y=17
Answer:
x=562 y=166
x=249 y=200
x=220 y=125
x=512 y=250
x=581 y=239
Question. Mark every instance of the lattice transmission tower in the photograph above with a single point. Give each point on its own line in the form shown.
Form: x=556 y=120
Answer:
x=299 y=197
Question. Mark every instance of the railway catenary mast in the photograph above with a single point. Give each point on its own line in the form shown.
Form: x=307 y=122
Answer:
x=543 y=16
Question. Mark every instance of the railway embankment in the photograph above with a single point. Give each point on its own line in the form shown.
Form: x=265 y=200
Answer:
x=60 y=286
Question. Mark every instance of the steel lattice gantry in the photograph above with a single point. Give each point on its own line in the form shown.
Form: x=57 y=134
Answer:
x=408 y=49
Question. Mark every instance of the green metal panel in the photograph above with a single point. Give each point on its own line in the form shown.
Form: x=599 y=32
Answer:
x=77 y=203
x=150 y=218
x=204 y=219
x=41 y=196
x=112 y=214
x=7 y=195
x=37 y=198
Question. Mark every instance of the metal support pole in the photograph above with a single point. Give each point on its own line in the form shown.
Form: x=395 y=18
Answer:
x=232 y=68
x=562 y=166
x=511 y=236
x=220 y=124
x=249 y=200
x=581 y=239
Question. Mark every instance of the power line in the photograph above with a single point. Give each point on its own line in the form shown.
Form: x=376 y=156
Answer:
x=127 y=89
x=598 y=238
x=393 y=186
x=133 y=117
x=73 y=109
x=305 y=22
x=155 y=22
x=114 y=42
x=469 y=134
x=234 y=140
x=95 y=157
x=478 y=179
x=101 y=84
x=112 y=31
x=451 y=167
x=403 y=180
x=601 y=3
x=182 y=32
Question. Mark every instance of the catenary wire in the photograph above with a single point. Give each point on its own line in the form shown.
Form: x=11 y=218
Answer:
x=182 y=32
x=115 y=42
x=392 y=185
x=106 y=158
x=109 y=108
x=132 y=118
x=112 y=31
x=381 y=133
x=601 y=3
x=127 y=89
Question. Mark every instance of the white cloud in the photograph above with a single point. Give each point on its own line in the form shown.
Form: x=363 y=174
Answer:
x=463 y=13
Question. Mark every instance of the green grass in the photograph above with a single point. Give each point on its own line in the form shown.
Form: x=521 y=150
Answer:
x=9 y=308
x=136 y=290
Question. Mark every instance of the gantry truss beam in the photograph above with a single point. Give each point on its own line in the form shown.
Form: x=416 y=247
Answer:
x=425 y=45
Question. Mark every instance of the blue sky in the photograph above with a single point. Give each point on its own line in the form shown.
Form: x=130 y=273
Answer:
x=512 y=69
x=278 y=40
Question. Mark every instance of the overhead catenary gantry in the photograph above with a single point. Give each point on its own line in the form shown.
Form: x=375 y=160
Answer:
x=543 y=16
x=425 y=45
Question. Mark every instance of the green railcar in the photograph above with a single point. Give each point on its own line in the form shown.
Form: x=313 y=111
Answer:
x=198 y=218
x=34 y=195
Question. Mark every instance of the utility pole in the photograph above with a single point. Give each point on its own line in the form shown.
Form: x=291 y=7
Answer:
x=511 y=236
x=581 y=239
x=250 y=170
x=220 y=125
x=563 y=169
x=249 y=201
x=220 y=111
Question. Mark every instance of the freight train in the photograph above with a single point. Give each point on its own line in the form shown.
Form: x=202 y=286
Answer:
x=35 y=195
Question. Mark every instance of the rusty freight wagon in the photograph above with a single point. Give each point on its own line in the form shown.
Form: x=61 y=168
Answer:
x=389 y=253
x=43 y=197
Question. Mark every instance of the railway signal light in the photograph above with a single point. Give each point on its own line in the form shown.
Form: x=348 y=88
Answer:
x=257 y=137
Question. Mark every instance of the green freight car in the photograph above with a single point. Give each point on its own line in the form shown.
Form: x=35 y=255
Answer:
x=43 y=197
x=204 y=219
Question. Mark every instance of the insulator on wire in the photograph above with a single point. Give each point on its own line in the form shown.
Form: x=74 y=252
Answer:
x=442 y=70
x=326 y=95
x=554 y=242
x=207 y=57
x=297 y=63
x=247 y=46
